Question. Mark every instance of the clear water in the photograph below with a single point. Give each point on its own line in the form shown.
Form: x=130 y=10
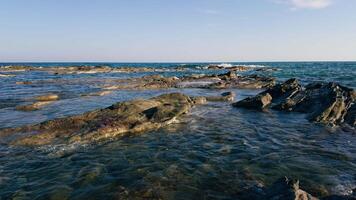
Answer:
x=216 y=152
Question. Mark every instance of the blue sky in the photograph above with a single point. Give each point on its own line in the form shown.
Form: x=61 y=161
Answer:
x=177 y=30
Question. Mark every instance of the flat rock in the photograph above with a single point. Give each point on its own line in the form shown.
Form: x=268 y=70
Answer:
x=117 y=120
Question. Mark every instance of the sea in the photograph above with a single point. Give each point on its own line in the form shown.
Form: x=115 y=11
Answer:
x=215 y=152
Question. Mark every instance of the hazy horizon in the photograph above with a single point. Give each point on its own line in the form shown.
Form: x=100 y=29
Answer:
x=177 y=31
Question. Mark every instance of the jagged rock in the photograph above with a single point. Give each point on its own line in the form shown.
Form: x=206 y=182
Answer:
x=260 y=101
x=328 y=103
x=117 y=120
x=284 y=90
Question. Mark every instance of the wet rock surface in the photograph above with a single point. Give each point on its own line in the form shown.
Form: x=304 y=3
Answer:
x=117 y=120
x=287 y=189
x=328 y=103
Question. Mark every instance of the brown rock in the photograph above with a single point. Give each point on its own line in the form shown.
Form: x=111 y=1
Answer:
x=260 y=101
x=115 y=121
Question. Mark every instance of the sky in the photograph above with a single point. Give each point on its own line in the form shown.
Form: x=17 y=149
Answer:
x=177 y=30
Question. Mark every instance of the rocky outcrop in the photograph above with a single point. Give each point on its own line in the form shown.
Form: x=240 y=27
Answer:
x=327 y=103
x=115 y=121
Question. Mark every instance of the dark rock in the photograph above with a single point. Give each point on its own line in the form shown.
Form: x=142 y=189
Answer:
x=350 y=117
x=327 y=103
x=284 y=90
x=260 y=101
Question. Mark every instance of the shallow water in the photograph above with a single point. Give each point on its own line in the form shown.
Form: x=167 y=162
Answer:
x=215 y=152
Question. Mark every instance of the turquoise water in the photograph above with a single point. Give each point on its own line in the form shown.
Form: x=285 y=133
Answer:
x=216 y=152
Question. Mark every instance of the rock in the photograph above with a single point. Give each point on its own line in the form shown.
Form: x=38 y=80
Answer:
x=33 y=107
x=350 y=117
x=6 y=75
x=285 y=189
x=260 y=101
x=100 y=93
x=228 y=76
x=226 y=96
x=284 y=90
x=49 y=97
x=115 y=121
x=327 y=103
x=199 y=100
x=23 y=83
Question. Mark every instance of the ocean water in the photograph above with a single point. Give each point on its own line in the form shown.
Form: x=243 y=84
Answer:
x=216 y=152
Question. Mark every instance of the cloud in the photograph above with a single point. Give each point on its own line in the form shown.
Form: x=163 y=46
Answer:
x=306 y=4
x=209 y=11
x=312 y=4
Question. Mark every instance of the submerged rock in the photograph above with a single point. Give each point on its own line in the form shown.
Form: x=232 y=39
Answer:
x=117 y=120
x=327 y=103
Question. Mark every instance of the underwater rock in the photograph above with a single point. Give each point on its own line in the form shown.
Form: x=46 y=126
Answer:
x=327 y=103
x=120 y=119
x=260 y=101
